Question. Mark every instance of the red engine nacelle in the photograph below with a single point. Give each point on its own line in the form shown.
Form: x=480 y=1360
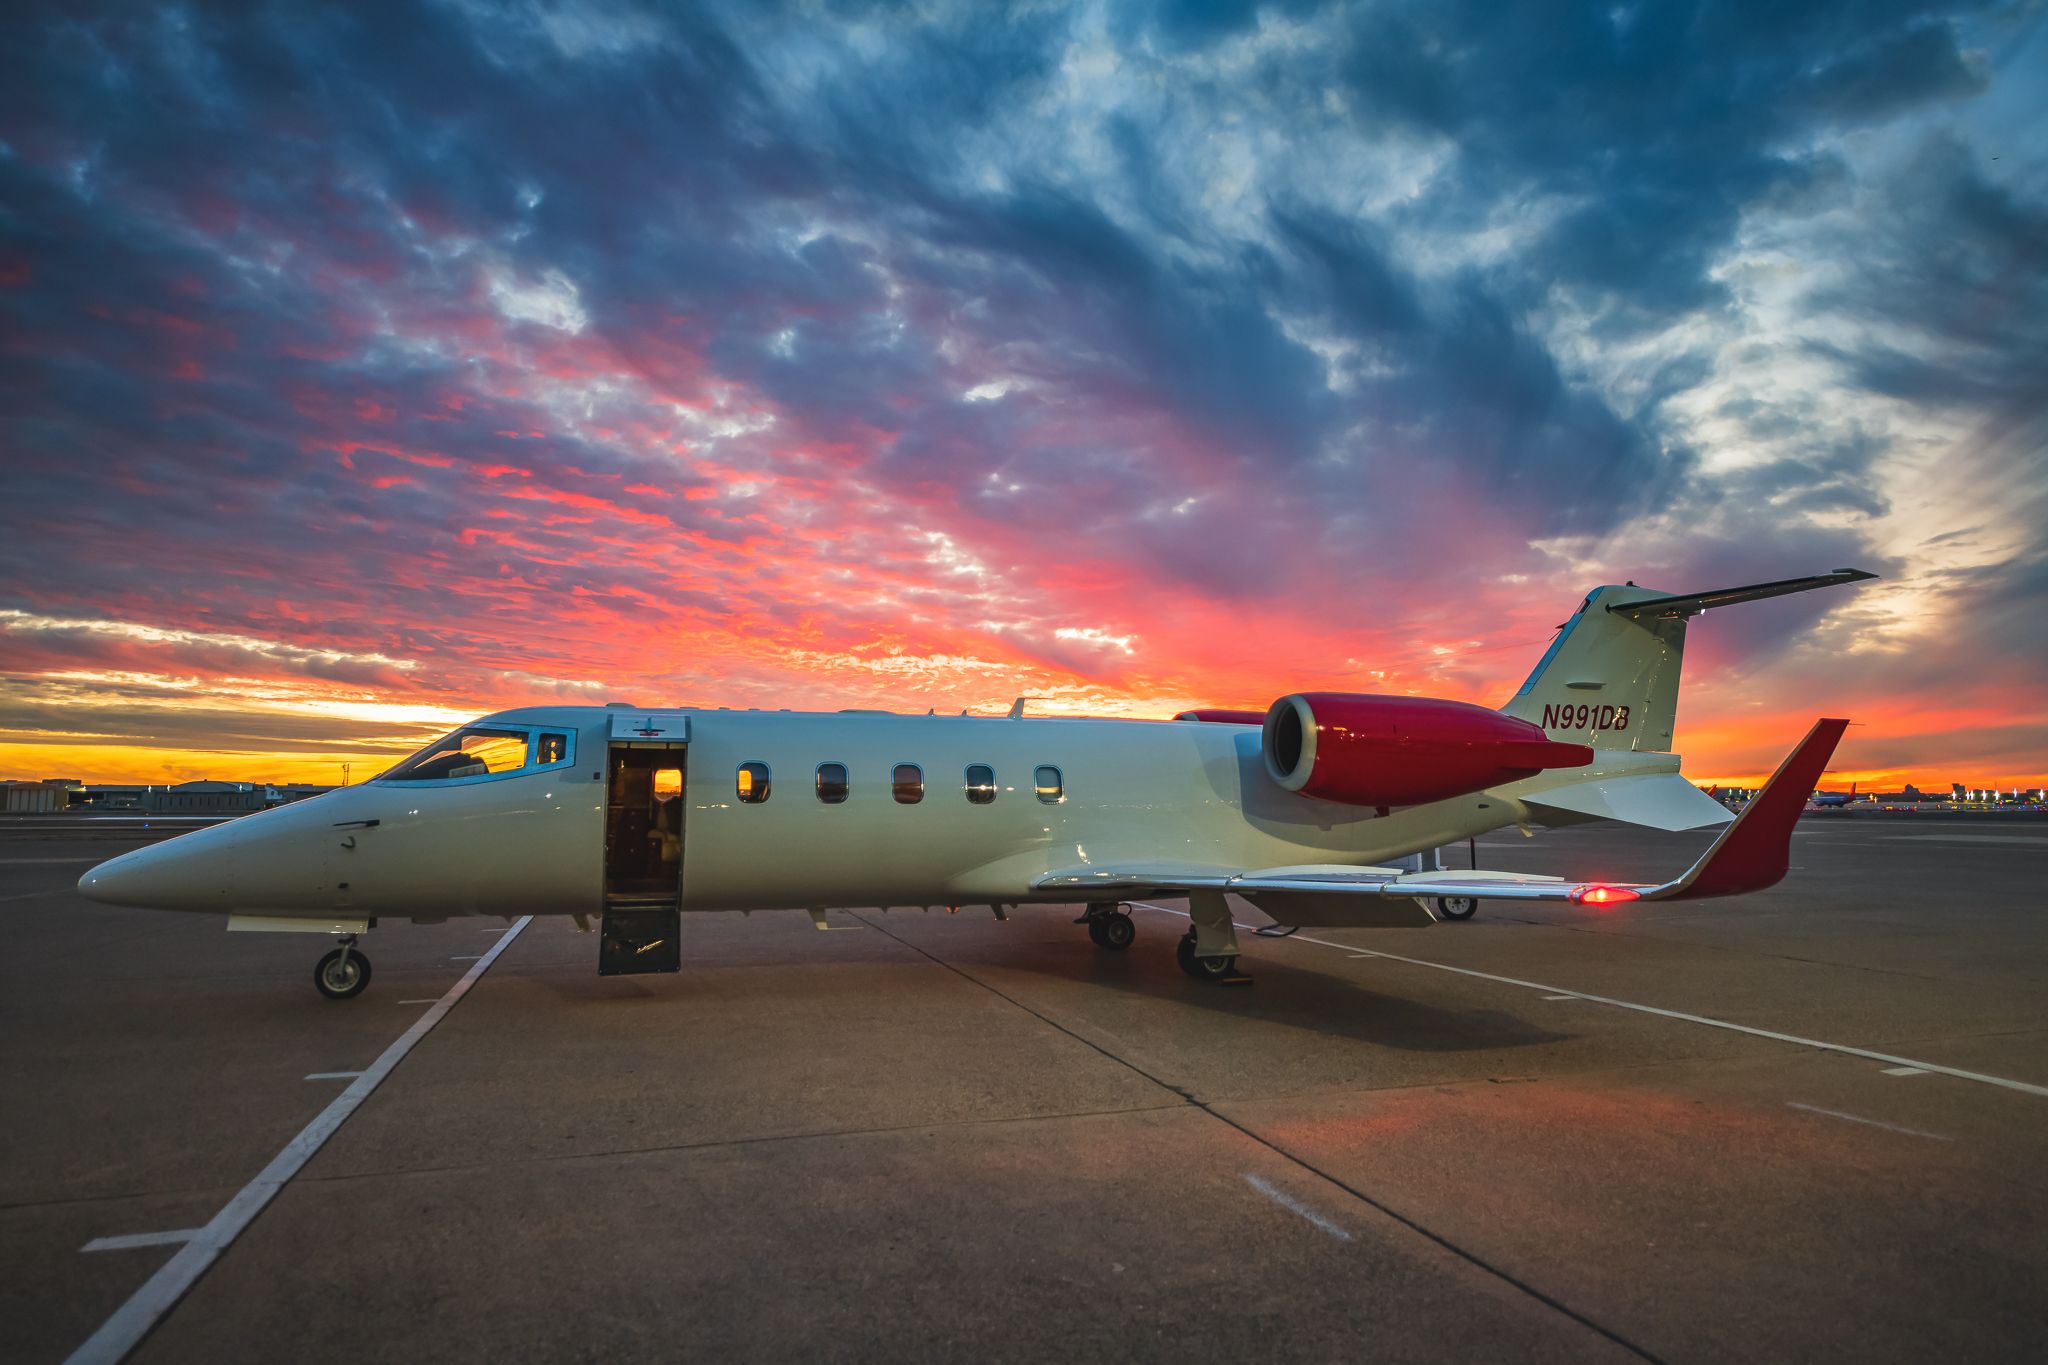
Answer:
x=1401 y=751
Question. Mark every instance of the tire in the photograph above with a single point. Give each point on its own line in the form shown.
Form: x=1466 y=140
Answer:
x=1112 y=931
x=1457 y=907
x=1202 y=968
x=337 y=982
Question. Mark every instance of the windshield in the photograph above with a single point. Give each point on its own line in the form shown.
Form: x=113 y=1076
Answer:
x=473 y=751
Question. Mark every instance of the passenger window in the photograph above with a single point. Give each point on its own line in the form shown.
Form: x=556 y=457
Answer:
x=476 y=751
x=1051 y=787
x=752 y=783
x=667 y=782
x=552 y=748
x=908 y=784
x=832 y=783
x=981 y=784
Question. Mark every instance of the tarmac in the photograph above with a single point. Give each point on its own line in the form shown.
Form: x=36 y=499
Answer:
x=1809 y=1123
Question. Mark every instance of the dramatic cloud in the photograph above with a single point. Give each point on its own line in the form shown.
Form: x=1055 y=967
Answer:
x=366 y=366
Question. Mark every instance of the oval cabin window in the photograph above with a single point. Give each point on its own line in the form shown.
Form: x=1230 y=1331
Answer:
x=832 y=783
x=907 y=782
x=1050 y=786
x=981 y=784
x=752 y=783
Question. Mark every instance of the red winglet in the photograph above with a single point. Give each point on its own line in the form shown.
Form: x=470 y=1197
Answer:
x=1754 y=852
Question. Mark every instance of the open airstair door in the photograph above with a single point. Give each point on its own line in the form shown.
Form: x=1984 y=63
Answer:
x=646 y=770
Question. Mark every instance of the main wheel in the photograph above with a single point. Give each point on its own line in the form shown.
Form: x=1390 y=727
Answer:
x=1457 y=907
x=1202 y=968
x=1113 y=931
x=340 y=979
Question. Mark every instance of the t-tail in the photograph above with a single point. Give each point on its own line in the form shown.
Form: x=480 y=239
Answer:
x=1610 y=678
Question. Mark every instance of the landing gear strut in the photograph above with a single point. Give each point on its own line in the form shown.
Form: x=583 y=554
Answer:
x=343 y=973
x=1457 y=907
x=1109 y=925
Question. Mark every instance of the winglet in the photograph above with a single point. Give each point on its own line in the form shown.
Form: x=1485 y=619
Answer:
x=1753 y=852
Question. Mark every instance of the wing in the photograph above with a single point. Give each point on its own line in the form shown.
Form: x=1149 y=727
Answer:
x=1751 y=854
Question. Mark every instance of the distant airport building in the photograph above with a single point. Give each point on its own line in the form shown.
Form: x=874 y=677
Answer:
x=189 y=798
x=204 y=798
x=34 y=798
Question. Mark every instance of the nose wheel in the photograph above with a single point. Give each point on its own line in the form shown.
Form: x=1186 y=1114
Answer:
x=1457 y=907
x=342 y=974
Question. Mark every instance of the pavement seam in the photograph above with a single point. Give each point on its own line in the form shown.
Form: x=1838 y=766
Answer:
x=1192 y=1101
x=190 y=1193
x=717 y=1143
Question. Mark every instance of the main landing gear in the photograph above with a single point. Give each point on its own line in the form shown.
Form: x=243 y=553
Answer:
x=1208 y=951
x=1109 y=925
x=1222 y=969
x=1457 y=907
x=343 y=973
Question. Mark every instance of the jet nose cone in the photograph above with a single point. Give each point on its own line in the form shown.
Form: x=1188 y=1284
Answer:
x=177 y=874
x=127 y=880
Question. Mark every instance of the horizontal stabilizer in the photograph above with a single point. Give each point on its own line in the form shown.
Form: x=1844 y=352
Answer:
x=1652 y=800
x=1693 y=603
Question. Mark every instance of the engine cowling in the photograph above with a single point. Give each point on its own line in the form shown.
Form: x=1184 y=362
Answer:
x=1401 y=751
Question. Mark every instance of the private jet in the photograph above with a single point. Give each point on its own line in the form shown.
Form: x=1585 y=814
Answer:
x=1328 y=809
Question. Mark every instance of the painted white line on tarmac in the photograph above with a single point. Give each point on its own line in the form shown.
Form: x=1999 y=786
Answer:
x=416 y=1002
x=465 y=957
x=1905 y=1071
x=132 y=1321
x=2004 y=1083
x=1858 y=1118
x=1293 y=1205
x=334 y=1075
x=141 y=1239
x=1560 y=997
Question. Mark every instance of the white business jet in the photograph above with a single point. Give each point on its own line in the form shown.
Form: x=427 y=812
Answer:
x=1327 y=810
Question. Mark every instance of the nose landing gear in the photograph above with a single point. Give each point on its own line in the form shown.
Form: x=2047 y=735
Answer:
x=342 y=974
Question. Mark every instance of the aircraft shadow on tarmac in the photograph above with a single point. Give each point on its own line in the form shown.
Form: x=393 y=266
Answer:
x=1281 y=994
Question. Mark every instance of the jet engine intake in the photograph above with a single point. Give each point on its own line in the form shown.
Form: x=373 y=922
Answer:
x=1401 y=751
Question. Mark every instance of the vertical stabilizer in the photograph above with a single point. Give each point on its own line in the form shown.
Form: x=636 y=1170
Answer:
x=1610 y=678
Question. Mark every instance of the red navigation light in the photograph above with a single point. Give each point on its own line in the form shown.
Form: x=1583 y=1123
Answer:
x=1603 y=895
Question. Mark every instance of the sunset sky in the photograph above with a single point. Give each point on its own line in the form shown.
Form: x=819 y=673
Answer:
x=369 y=368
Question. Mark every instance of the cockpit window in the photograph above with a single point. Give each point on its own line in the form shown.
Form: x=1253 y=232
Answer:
x=474 y=751
x=551 y=748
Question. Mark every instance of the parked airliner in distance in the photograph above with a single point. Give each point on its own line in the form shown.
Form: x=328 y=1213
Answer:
x=1836 y=800
x=1327 y=809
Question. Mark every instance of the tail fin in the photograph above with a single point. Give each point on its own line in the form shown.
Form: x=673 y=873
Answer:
x=1610 y=678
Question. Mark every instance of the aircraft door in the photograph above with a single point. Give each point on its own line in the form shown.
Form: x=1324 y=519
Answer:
x=646 y=775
